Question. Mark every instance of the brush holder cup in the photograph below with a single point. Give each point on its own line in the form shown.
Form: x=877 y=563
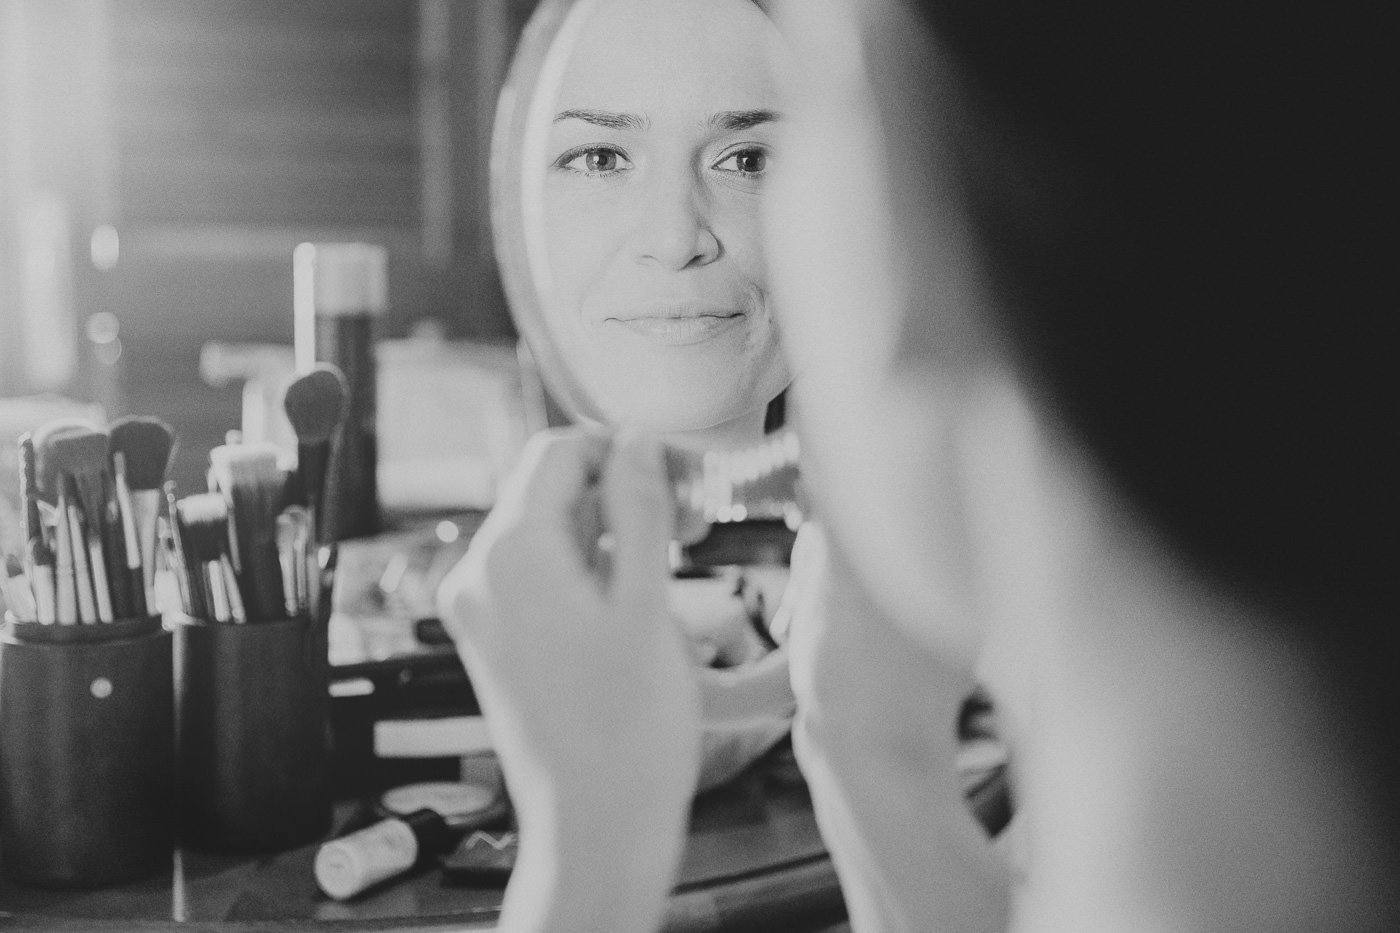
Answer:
x=87 y=779
x=253 y=720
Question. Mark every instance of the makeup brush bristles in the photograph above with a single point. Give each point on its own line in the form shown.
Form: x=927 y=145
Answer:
x=142 y=449
x=29 y=489
x=46 y=473
x=80 y=519
x=201 y=521
x=148 y=445
x=315 y=403
x=251 y=482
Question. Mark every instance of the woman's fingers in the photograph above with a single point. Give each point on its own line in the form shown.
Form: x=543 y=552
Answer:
x=534 y=521
x=638 y=511
x=555 y=469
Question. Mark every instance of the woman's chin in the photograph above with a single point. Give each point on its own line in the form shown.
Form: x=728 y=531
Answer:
x=670 y=400
x=677 y=407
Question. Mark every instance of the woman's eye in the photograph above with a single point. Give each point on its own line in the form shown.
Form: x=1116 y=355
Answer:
x=596 y=160
x=752 y=161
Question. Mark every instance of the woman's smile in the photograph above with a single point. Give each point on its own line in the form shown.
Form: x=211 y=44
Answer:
x=658 y=151
x=679 y=324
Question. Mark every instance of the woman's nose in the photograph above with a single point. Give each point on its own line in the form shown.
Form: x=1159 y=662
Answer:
x=673 y=224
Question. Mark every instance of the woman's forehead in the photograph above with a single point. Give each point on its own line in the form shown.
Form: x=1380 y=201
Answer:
x=672 y=60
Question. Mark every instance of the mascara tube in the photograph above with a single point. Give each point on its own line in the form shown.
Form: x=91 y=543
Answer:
x=340 y=290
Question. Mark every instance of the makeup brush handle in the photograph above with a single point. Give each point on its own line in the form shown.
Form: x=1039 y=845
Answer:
x=126 y=514
x=235 y=600
x=214 y=584
x=145 y=506
x=65 y=589
x=322 y=590
x=82 y=574
x=136 y=593
x=313 y=462
x=44 y=596
x=101 y=587
x=65 y=597
x=197 y=590
x=114 y=551
x=286 y=560
x=266 y=579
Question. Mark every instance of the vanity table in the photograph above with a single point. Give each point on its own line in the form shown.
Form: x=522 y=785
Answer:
x=754 y=861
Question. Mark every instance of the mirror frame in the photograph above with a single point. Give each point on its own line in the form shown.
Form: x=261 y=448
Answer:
x=550 y=28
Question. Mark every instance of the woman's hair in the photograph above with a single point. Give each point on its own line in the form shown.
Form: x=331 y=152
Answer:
x=1180 y=206
x=1181 y=211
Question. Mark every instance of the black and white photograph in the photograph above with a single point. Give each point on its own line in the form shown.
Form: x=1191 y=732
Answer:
x=698 y=466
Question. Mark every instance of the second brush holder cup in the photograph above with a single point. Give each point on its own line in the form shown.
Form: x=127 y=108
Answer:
x=86 y=753
x=253 y=723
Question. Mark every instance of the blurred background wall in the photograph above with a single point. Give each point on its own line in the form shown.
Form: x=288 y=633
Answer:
x=159 y=160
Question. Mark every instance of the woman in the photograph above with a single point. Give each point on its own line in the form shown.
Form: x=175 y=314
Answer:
x=1116 y=279
x=656 y=292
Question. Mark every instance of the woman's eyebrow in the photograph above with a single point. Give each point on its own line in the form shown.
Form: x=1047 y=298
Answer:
x=606 y=118
x=733 y=121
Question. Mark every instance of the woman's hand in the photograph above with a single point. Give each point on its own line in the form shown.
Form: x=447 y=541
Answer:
x=878 y=742
x=589 y=693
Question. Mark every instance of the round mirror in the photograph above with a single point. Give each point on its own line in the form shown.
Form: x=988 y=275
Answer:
x=628 y=172
x=629 y=165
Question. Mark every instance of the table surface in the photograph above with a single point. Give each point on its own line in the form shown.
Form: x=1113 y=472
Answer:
x=754 y=859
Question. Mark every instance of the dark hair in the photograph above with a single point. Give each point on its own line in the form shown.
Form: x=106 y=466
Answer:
x=1183 y=210
x=1195 y=261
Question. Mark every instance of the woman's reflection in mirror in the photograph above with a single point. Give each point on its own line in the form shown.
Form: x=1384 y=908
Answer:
x=657 y=156
x=657 y=161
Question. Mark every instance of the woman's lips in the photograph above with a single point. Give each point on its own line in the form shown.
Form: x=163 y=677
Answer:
x=678 y=330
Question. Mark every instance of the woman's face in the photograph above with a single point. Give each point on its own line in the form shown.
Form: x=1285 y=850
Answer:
x=658 y=159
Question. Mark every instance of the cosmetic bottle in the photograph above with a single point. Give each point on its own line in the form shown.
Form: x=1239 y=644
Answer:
x=351 y=864
x=340 y=291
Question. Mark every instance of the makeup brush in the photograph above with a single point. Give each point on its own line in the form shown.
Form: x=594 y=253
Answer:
x=293 y=536
x=203 y=523
x=48 y=483
x=124 y=554
x=41 y=579
x=49 y=488
x=82 y=456
x=127 y=588
x=65 y=575
x=70 y=516
x=29 y=493
x=252 y=484
x=142 y=450
x=175 y=555
x=315 y=403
